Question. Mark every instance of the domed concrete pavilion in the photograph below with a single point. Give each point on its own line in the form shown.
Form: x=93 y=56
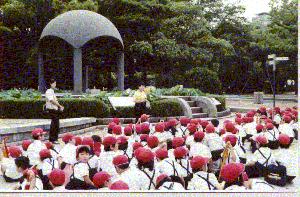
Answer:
x=77 y=28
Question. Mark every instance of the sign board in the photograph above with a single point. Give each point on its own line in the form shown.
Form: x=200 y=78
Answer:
x=271 y=56
x=121 y=101
x=282 y=58
x=215 y=101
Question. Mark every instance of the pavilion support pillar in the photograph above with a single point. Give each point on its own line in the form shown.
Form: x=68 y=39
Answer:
x=77 y=75
x=120 y=64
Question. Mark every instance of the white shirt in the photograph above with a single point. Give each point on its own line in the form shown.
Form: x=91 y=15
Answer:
x=198 y=183
x=236 y=187
x=46 y=165
x=190 y=140
x=242 y=131
x=288 y=158
x=131 y=177
x=33 y=151
x=261 y=185
x=214 y=141
x=59 y=188
x=185 y=167
x=164 y=136
x=38 y=184
x=277 y=119
x=105 y=161
x=11 y=168
x=166 y=167
x=81 y=170
x=94 y=161
x=286 y=128
x=68 y=153
x=171 y=186
x=144 y=181
x=50 y=96
x=199 y=149
x=250 y=128
x=257 y=157
x=271 y=135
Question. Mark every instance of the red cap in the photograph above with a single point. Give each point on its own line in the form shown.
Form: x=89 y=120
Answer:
x=117 y=130
x=161 y=177
x=173 y=122
x=230 y=172
x=261 y=140
x=116 y=120
x=222 y=131
x=144 y=155
x=144 y=117
x=143 y=137
x=25 y=144
x=284 y=139
x=199 y=135
x=231 y=138
x=210 y=128
x=136 y=145
x=229 y=127
x=145 y=127
x=250 y=119
x=268 y=120
x=288 y=109
x=161 y=153
x=192 y=128
x=263 y=117
x=97 y=148
x=122 y=140
x=78 y=140
x=49 y=145
x=138 y=128
x=287 y=119
x=100 y=178
x=119 y=185
x=184 y=121
x=14 y=151
x=37 y=132
x=238 y=115
x=250 y=114
x=109 y=140
x=88 y=141
x=180 y=152
x=239 y=120
x=259 y=127
x=198 y=162
x=177 y=141
x=270 y=126
x=45 y=153
x=67 y=137
x=128 y=131
x=277 y=110
x=57 y=177
x=204 y=123
x=120 y=160
x=111 y=125
x=152 y=141
x=160 y=127
x=194 y=121
x=262 y=109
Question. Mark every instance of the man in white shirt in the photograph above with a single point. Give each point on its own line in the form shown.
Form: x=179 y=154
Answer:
x=54 y=109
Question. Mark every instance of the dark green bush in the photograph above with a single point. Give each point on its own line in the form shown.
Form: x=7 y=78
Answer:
x=74 y=107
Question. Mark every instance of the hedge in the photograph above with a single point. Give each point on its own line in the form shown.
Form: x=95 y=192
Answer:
x=159 y=108
x=222 y=100
x=74 y=107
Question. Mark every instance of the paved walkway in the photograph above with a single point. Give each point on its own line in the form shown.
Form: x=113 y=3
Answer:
x=249 y=103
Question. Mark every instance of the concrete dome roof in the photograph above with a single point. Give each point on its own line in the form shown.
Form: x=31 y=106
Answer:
x=77 y=27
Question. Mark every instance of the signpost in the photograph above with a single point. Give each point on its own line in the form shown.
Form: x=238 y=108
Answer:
x=273 y=61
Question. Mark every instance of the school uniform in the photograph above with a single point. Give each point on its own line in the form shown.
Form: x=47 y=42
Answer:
x=164 y=136
x=277 y=119
x=261 y=185
x=171 y=186
x=199 y=149
x=147 y=178
x=272 y=136
x=250 y=129
x=47 y=165
x=11 y=174
x=215 y=144
x=59 y=188
x=38 y=184
x=93 y=165
x=182 y=131
x=235 y=188
x=68 y=154
x=131 y=177
x=105 y=161
x=288 y=158
x=190 y=140
x=33 y=151
x=240 y=150
x=170 y=167
x=286 y=128
x=203 y=181
x=77 y=182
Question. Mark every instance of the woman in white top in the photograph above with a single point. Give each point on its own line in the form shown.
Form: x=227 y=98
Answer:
x=54 y=109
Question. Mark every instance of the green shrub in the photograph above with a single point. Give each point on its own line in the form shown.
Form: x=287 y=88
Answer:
x=74 y=107
x=222 y=100
x=165 y=108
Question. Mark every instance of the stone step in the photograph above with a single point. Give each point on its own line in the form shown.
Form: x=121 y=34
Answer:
x=196 y=110
x=192 y=103
x=187 y=98
x=200 y=115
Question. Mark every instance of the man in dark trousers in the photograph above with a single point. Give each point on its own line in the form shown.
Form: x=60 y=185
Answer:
x=54 y=109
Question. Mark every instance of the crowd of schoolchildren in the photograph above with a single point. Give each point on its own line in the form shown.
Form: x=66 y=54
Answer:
x=178 y=154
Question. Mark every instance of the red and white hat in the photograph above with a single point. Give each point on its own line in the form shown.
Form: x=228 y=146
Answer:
x=57 y=177
x=88 y=141
x=270 y=126
x=180 y=152
x=143 y=137
x=100 y=178
x=144 y=117
x=14 y=151
x=284 y=139
x=259 y=127
x=173 y=122
x=161 y=153
x=152 y=141
x=122 y=140
x=192 y=128
x=109 y=140
x=177 y=142
x=116 y=120
x=210 y=128
x=128 y=130
x=25 y=144
x=162 y=177
x=229 y=127
x=117 y=130
x=231 y=138
x=238 y=121
x=160 y=127
x=67 y=137
x=230 y=172
x=119 y=185
x=287 y=118
x=120 y=160
x=145 y=127
x=37 y=132
x=204 y=123
x=111 y=125
x=136 y=145
x=184 y=121
x=199 y=135
x=45 y=153
x=144 y=155
x=49 y=145
x=78 y=140
x=198 y=162
x=138 y=128
x=194 y=121
x=261 y=140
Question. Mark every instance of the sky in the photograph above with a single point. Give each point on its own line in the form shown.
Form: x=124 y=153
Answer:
x=253 y=7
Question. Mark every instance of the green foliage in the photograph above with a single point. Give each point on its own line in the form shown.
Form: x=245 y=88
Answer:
x=20 y=94
x=166 y=108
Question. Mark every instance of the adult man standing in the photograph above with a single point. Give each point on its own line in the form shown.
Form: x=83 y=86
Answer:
x=54 y=109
